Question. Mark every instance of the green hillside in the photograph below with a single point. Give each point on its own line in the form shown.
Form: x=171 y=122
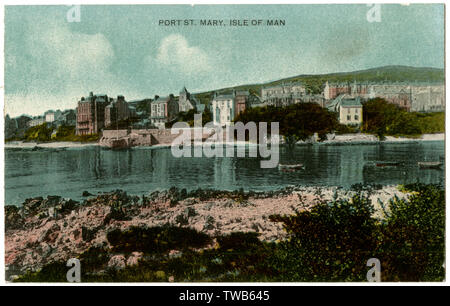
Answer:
x=315 y=82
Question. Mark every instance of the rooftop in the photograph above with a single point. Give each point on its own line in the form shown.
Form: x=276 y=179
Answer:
x=351 y=102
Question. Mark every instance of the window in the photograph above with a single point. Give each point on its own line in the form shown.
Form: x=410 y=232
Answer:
x=348 y=117
x=356 y=117
x=217 y=114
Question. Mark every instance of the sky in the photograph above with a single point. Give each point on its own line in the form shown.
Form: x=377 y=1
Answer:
x=51 y=63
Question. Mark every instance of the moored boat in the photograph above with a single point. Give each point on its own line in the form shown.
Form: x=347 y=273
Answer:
x=388 y=164
x=430 y=165
x=292 y=167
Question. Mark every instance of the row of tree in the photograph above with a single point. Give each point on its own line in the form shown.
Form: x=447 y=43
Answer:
x=297 y=121
x=301 y=121
x=383 y=118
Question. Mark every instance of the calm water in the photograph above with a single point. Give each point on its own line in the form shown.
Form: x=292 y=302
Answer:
x=68 y=173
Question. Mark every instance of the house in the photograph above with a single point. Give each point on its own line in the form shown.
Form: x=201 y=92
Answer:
x=68 y=117
x=36 y=121
x=350 y=111
x=116 y=111
x=283 y=94
x=334 y=89
x=223 y=109
x=51 y=116
x=163 y=110
x=91 y=114
x=241 y=101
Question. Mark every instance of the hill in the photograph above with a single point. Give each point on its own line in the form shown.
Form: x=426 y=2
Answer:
x=314 y=83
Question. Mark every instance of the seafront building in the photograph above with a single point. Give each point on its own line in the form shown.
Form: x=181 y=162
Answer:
x=91 y=114
x=223 y=108
x=349 y=110
x=117 y=111
x=163 y=111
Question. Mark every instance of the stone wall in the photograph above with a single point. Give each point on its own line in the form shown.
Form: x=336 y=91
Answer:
x=143 y=137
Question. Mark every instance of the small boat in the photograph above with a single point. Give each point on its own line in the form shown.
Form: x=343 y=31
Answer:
x=292 y=167
x=429 y=165
x=388 y=164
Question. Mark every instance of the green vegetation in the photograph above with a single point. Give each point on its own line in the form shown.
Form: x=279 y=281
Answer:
x=330 y=242
x=41 y=133
x=189 y=116
x=297 y=122
x=301 y=121
x=383 y=118
x=45 y=133
x=156 y=239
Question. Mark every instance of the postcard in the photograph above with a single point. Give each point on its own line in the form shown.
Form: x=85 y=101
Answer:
x=295 y=143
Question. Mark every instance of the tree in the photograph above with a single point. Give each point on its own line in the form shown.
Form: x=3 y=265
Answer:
x=297 y=121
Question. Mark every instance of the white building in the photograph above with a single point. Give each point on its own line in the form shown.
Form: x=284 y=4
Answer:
x=36 y=121
x=51 y=116
x=223 y=109
x=351 y=111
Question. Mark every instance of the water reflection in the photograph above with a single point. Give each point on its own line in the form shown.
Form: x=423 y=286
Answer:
x=140 y=170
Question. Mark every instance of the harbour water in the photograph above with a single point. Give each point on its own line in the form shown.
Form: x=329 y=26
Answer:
x=71 y=171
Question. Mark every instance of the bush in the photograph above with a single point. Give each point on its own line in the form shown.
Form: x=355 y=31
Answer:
x=331 y=242
x=156 y=239
x=297 y=121
x=413 y=237
x=383 y=118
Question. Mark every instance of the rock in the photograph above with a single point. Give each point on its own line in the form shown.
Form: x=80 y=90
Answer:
x=13 y=219
x=134 y=258
x=117 y=262
x=190 y=212
x=46 y=250
x=183 y=217
x=76 y=234
x=51 y=234
x=87 y=234
x=117 y=198
x=209 y=223
x=31 y=205
x=86 y=194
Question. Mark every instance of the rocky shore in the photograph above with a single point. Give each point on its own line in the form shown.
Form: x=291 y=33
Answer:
x=45 y=230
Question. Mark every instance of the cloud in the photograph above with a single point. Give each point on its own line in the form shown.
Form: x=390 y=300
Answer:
x=58 y=67
x=71 y=59
x=176 y=53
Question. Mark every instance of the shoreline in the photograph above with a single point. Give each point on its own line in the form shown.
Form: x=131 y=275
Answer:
x=48 y=145
x=345 y=139
x=45 y=230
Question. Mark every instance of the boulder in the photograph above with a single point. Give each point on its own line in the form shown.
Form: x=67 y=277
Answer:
x=13 y=218
x=117 y=262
